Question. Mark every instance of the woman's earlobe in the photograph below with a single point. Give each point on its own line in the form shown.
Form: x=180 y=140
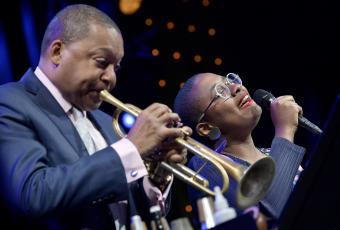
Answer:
x=202 y=129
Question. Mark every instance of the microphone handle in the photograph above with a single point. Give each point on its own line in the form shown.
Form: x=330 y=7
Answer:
x=305 y=123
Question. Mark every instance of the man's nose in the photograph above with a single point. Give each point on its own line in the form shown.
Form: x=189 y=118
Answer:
x=109 y=77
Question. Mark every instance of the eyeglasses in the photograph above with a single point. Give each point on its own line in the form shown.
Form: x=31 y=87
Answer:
x=222 y=90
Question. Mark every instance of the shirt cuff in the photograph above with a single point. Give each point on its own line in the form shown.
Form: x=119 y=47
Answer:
x=132 y=162
x=154 y=194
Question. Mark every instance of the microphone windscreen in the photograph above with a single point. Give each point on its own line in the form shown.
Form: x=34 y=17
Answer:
x=263 y=98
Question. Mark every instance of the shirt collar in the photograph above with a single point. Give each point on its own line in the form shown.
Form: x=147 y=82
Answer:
x=53 y=90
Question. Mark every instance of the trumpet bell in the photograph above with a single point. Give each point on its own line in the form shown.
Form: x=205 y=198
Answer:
x=255 y=182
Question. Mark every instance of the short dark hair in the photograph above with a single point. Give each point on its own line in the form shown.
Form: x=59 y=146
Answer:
x=72 y=23
x=186 y=104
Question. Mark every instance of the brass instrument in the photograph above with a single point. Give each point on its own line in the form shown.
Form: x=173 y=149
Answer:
x=253 y=182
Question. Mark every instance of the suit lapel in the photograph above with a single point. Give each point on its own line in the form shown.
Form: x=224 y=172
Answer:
x=46 y=102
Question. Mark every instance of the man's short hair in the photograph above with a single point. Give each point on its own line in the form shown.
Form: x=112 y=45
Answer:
x=72 y=23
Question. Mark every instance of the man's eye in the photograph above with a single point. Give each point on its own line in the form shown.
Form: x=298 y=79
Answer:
x=102 y=62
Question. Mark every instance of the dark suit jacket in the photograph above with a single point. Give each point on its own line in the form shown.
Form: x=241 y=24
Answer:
x=46 y=173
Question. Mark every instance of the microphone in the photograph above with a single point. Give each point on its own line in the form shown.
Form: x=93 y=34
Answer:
x=264 y=99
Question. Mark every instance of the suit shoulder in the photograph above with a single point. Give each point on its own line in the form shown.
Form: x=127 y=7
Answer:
x=10 y=86
x=11 y=89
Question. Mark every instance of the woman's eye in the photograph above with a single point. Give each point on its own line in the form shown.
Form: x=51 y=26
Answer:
x=220 y=89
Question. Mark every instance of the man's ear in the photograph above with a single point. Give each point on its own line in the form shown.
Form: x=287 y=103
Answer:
x=208 y=130
x=54 y=52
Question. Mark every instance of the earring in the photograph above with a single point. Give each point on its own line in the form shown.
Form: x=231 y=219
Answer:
x=214 y=134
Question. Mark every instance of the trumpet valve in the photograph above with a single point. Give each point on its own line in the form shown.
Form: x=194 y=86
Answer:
x=186 y=133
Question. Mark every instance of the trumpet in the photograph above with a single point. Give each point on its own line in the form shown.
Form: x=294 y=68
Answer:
x=253 y=182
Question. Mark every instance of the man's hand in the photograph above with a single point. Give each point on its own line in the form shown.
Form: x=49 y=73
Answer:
x=172 y=152
x=153 y=126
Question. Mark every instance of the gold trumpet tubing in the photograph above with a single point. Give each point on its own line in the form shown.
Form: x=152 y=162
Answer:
x=176 y=170
x=135 y=111
x=236 y=171
x=191 y=173
x=199 y=150
x=106 y=96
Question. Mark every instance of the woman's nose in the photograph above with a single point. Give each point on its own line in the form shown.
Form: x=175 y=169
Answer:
x=235 y=89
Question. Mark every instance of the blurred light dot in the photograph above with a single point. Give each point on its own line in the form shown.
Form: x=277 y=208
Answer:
x=128 y=120
x=218 y=61
x=161 y=83
x=188 y=208
x=211 y=31
x=197 y=58
x=155 y=52
x=181 y=84
x=176 y=55
x=148 y=21
x=205 y=2
x=191 y=28
x=129 y=7
x=170 y=25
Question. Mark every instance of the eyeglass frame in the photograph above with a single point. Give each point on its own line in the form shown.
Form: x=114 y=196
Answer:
x=218 y=94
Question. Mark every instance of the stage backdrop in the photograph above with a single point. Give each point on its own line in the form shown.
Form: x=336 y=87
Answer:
x=285 y=47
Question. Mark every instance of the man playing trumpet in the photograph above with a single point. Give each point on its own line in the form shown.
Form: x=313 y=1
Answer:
x=62 y=166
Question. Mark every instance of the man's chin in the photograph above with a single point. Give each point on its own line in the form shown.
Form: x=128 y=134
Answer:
x=92 y=106
x=96 y=106
x=92 y=102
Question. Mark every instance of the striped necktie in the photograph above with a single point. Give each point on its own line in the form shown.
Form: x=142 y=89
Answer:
x=83 y=126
